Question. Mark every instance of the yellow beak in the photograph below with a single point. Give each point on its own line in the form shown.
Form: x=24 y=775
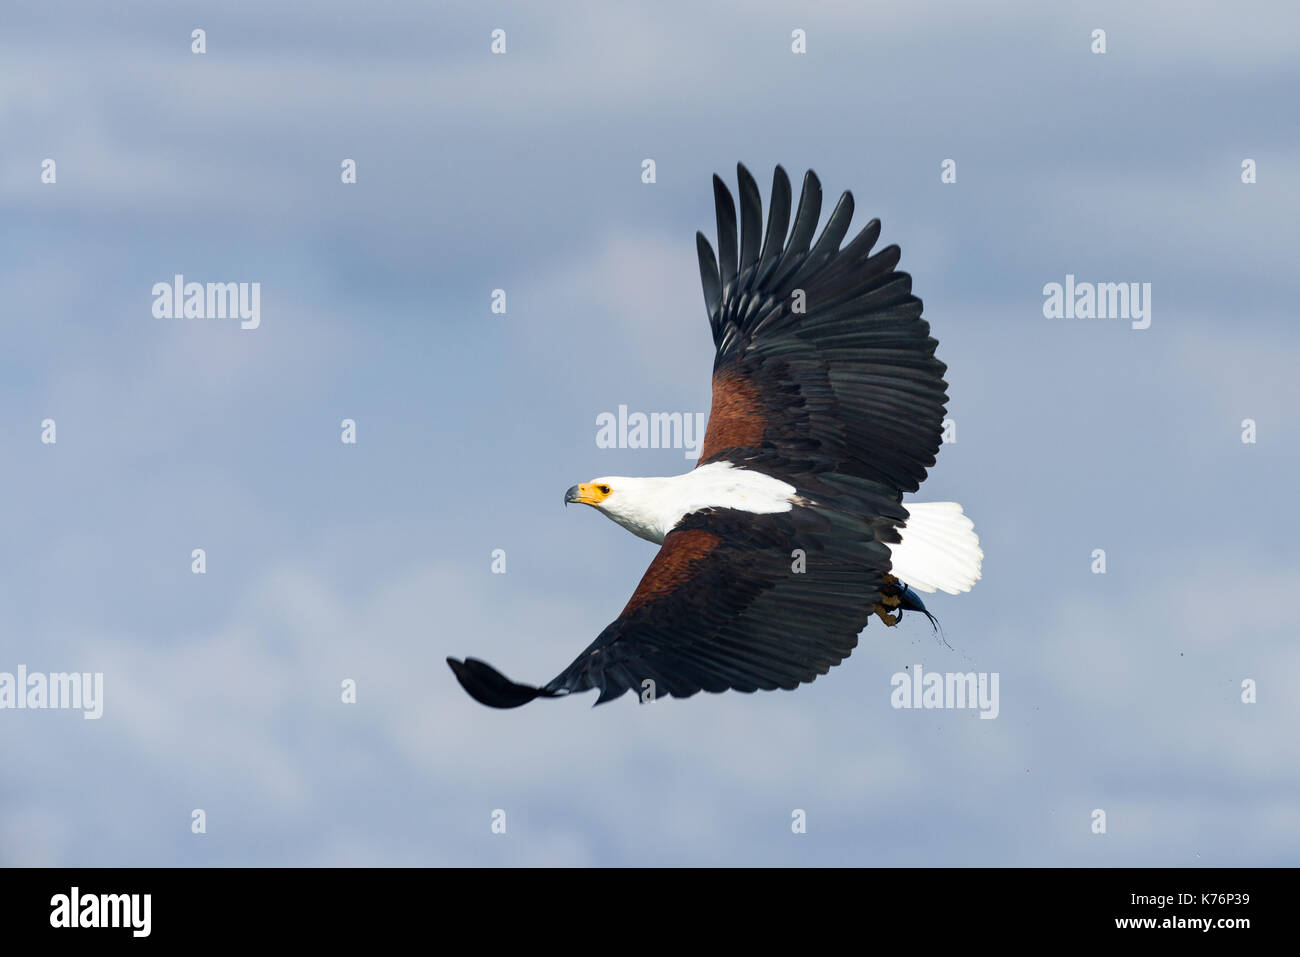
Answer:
x=585 y=494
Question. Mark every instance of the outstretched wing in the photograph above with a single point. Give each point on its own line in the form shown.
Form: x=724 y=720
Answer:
x=733 y=601
x=822 y=353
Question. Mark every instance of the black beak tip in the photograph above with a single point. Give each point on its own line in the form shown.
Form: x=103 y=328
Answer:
x=571 y=495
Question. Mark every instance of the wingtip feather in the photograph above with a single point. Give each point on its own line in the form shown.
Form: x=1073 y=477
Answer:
x=488 y=686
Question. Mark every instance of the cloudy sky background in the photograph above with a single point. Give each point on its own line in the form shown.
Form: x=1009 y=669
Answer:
x=325 y=561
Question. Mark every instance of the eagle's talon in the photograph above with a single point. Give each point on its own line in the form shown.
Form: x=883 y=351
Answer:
x=883 y=614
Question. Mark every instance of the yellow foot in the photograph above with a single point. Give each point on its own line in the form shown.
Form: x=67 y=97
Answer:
x=890 y=601
x=883 y=614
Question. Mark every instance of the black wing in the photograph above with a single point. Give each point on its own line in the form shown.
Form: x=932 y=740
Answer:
x=733 y=601
x=851 y=381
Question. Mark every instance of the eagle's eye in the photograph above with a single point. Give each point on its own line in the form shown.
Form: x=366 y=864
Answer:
x=604 y=489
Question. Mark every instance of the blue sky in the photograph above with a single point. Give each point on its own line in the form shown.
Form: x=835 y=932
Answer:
x=373 y=562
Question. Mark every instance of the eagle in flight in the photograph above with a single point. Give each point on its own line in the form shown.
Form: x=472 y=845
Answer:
x=791 y=532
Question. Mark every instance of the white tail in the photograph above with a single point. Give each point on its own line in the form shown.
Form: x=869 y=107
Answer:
x=939 y=551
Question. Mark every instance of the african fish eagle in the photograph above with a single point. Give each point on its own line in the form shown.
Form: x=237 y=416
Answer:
x=791 y=532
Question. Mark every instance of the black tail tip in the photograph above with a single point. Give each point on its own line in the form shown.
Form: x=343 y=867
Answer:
x=488 y=686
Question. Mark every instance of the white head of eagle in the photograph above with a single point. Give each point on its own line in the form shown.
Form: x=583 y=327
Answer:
x=790 y=533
